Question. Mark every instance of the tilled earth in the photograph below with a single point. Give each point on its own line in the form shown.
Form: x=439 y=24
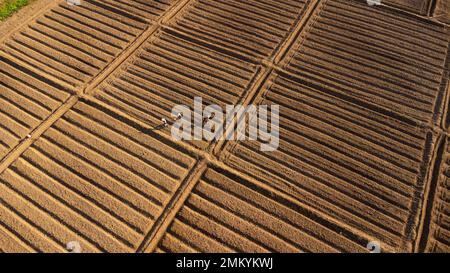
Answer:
x=363 y=154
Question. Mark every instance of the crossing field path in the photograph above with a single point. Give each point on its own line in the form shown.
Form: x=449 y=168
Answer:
x=364 y=104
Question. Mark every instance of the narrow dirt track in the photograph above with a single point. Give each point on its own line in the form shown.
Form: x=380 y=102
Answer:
x=86 y=175
x=364 y=104
x=74 y=43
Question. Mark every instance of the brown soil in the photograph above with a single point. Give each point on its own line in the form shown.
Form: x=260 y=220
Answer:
x=364 y=107
x=442 y=11
x=416 y=6
x=436 y=235
x=167 y=72
x=16 y=20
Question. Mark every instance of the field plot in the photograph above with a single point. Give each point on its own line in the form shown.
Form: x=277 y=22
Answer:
x=438 y=231
x=250 y=28
x=149 y=10
x=417 y=6
x=225 y=213
x=90 y=178
x=169 y=71
x=359 y=167
x=74 y=43
x=387 y=62
x=26 y=99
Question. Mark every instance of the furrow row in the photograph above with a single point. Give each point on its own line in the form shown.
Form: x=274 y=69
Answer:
x=225 y=213
x=170 y=71
x=357 y=166
x=246 y=28
x=74 y=43
x=26 y=100
x=87 y=180
x=438 y=223
x=368 y=57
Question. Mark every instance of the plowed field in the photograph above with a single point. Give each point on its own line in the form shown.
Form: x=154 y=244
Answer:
x=363 y=151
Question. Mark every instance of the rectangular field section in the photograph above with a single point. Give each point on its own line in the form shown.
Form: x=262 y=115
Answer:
x=26 y=99
x=74 y=43
x=91 y=178
x=438 y=239
x=421 y=7
x=146 y=9
x=170 y=71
